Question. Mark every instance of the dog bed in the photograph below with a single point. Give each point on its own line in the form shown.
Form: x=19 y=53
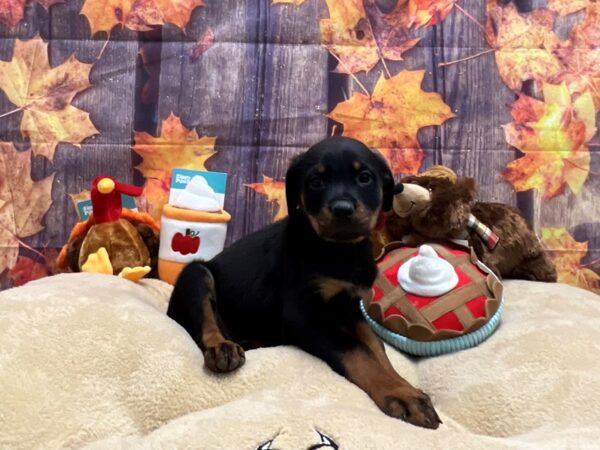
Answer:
x=91 y=361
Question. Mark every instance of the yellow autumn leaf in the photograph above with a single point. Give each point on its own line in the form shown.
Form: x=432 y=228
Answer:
x=23 y=202
x=566 y=254
x=390 y=119
x=44 y=94
x=523 y=43
x=137 y=15
x=175 y=147
x=552 y=135
x=275 y=192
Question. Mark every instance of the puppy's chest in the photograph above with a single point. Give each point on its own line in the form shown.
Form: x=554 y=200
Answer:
x=329 y=288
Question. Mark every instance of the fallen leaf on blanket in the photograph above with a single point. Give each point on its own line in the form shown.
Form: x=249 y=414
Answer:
x=358 y=34
x=552 y=135
x=176 y=147
x=566 y=7
x=523 y=43
x=391 y=117
x=137 y=15
x=23 y=202
x=44 y=94
x=204 y=43
x=275 y=192
x=429 y=12
x=26 y=270
x=566 y=254
x=11 y=11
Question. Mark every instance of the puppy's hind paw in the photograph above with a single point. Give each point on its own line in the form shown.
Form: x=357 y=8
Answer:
x=224 y=357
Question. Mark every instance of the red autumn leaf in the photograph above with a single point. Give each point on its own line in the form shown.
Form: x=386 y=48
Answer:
x=11 y=11
x=205 y=42
x=26 y=270
x=429 y=12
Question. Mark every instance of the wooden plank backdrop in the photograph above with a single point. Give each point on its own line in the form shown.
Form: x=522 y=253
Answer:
x=263 y=90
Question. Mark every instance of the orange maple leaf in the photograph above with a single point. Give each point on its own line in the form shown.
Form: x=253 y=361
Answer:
x=44 y=94
x=566 y=254
x=429 y=12
x=523 y=43
x=359 y=38
x=137 y=15
x=11 y=11
x=553 y=135
x=26 y=270
x=23 y=202
x=176 y=147
x=275 y=192
x=391 y=117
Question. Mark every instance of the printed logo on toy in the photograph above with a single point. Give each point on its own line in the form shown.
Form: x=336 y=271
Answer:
x=186 y=243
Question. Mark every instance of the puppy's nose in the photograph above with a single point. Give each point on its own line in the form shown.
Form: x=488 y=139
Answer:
x=342 y=209
x=398 y=189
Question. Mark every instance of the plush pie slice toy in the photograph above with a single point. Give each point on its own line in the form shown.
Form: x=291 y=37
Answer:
x=434 y=299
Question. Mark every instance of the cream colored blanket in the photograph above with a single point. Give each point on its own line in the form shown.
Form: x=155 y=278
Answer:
x=92 y=361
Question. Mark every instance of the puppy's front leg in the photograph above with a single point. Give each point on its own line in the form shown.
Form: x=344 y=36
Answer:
x=192 y=307
x=355 y=352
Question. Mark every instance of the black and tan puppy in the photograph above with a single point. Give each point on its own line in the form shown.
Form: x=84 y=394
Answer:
x=299 y=281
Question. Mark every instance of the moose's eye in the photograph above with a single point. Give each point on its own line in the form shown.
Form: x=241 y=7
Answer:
x=316 y=183
x=364 y=178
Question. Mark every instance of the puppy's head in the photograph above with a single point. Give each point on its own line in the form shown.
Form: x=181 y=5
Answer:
x=341 y=186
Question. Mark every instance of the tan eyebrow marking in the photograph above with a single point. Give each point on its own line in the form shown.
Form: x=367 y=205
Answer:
x=357 y=165
x=321 y=168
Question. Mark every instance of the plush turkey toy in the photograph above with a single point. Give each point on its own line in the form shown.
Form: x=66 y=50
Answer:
x=113 y=240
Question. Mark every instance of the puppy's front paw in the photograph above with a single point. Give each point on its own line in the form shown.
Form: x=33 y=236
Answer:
x=224 y=357
x=412 y=406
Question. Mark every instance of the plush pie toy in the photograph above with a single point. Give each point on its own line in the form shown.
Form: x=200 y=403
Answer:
x=433 y=299
x=439 y=206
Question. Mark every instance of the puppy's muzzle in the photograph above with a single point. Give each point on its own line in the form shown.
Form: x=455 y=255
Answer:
x=342 y=209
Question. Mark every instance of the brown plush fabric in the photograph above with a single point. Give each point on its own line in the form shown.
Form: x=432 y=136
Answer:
x=519 y=253
x=122 y=241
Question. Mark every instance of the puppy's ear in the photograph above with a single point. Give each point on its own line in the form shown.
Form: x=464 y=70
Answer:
x=387 y=180
x=293 y=183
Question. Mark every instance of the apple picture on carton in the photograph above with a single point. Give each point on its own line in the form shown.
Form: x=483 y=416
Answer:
x=186 y=243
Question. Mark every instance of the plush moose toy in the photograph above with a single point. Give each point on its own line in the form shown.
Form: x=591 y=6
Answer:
x=437 y=206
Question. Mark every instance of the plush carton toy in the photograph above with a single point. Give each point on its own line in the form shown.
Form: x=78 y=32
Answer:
x=439 y=206
x=193 y=224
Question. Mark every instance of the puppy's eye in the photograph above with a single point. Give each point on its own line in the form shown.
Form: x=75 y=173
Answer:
x=364 y=178
x=316 y=183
